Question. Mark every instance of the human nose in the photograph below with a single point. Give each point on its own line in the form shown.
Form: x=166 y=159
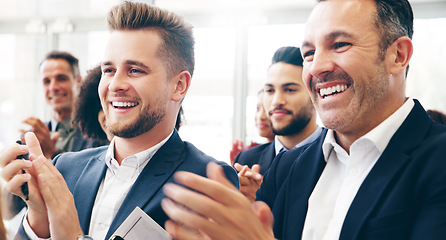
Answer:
x=278 y=99
x=322 y=64
x=118 y=82
x=262 y=114
x=53 y=86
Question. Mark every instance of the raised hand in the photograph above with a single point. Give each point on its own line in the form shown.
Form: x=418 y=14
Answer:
x=12 y=174
x=250 y=180
x=46 y=139
x=215 y=210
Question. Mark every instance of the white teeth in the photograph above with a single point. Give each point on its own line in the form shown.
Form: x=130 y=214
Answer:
x=124 y=104
x=331 y=90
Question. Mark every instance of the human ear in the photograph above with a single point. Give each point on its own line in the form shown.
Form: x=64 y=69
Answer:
x=398 y=55
x=181 y=85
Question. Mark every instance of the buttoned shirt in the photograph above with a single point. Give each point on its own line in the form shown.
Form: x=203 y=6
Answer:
x=113 y=189
x=343 y=175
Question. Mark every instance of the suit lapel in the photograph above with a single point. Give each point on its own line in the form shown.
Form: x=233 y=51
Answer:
x=306 y=172
x=395 y=156
x=87 y=187
x=266 y=157
x=159 y=169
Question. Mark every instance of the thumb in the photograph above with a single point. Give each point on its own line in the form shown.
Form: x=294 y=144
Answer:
x=54 y=137
x=265 y=216
x=33 y=144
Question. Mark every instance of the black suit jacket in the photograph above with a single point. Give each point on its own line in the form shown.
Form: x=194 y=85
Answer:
x=84 y=171
x=262 y=155
x=403 y=196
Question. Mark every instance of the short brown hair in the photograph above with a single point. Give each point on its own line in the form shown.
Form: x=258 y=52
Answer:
x=72 y=60
x=177 y=49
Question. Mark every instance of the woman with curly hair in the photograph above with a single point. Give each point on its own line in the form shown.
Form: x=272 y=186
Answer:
x=88 y=114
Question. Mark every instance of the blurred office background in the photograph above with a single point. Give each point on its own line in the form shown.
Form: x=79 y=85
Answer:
x=235 y=40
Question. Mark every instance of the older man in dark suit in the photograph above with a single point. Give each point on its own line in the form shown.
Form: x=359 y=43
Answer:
x=377 y=172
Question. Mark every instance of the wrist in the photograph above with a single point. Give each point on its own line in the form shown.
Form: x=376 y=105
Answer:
x=40 y=226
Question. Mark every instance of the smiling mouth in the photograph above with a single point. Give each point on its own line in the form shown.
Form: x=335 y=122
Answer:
x=124 y=104
x=330 y=91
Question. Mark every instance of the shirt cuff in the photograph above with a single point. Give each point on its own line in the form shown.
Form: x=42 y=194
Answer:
x=29 y=231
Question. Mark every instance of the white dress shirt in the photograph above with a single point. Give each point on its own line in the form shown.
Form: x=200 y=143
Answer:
x=114 y=188
x=343 y=175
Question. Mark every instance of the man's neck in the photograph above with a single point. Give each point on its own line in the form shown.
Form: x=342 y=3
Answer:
x=125 y=147
x=291 y=141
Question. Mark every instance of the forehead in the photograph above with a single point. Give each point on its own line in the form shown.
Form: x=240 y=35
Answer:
x=55 y=66
x=139 y=45
x=283 y=73
x=351 y=16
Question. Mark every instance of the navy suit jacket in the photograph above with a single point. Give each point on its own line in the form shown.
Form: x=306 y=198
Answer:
x=262 y=155
x=84 y=171
x=403 y=196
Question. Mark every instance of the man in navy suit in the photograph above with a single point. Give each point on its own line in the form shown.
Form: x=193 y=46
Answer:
x=146 y=72
x=377 y=172
x=291 y=114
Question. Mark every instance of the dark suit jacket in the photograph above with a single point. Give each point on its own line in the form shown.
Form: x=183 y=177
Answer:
x=84 y=171
x=262 y=155
x=403 y=196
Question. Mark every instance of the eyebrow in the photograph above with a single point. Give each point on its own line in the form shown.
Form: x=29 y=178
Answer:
x=136 y=63
x=283 y=85
x=330 y=37
x=290 y=84
x=127 y=62
x=336 y=34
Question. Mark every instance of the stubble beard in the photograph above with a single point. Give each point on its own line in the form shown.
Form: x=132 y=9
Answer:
x=147 y=120
x=298 y=122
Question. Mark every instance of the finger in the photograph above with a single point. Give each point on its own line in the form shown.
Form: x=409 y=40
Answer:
x=35 y=123
x=255 y=168
x=216 y=186
x=15 y=183
x=10 y=153
x=33 y=143
x=187 y=222
x=254 y=176
x=14 y=167
x=238 y=167
x=242 y=172
x=52 y=185
x=197 y=203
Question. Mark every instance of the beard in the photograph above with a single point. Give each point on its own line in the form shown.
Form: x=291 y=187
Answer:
x=298 y=122
x=147 y=120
